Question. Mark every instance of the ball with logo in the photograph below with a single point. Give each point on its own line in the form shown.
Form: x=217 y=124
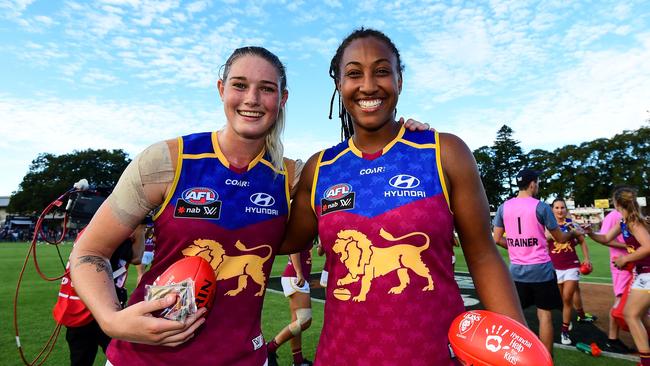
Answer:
x=485 y=338
x=197 y=269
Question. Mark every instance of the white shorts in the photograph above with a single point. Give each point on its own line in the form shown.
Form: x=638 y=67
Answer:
x=571 y=274
x=289 y=286
x=641 y=282
x=323 y=278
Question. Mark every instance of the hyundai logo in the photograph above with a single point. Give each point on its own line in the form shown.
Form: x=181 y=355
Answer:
x=404 y=181
x=262 y=199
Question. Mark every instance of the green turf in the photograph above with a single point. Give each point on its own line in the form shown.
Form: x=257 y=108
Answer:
x=38 y=296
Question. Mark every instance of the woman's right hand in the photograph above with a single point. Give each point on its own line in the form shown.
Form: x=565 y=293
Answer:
x=137 y=324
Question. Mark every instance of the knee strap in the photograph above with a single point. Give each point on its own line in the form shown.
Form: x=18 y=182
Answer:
x=303 y=316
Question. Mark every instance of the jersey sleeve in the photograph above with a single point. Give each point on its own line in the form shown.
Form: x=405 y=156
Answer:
x=498 y=218
x=545 y=216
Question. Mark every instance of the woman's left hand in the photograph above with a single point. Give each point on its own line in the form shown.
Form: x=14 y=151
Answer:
x=300 y=280
x=413 y=125
x=620 y=262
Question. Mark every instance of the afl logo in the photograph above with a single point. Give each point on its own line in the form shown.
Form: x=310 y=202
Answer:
x=262 y=199
x=404 y=181
x=337 y=191
x=468 y=322
x=200 y=196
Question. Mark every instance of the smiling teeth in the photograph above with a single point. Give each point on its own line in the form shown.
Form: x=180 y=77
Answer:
x=251 y=114
x=370 y=103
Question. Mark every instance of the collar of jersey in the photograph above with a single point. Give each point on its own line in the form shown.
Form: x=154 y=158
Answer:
x=225 y=162
x=388 y=146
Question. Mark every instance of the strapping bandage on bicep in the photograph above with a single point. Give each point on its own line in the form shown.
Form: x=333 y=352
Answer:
x=294 y=171
x=128 y=200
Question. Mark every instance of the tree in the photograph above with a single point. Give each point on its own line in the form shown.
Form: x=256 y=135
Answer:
x=490 y=177
x=538 y=159
x=50 y=175
x=508 y=158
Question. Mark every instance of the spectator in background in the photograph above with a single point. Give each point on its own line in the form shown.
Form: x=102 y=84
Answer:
x=636 y=233
x=620 y=278
x=83 y=334
x=295 y=285
x=523 y=219
x=567 y=266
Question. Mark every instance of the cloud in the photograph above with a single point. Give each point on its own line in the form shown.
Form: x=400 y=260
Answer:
x=604 y=94
x=88 y=123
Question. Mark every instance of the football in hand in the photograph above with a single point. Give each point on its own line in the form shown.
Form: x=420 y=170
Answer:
x=484 y=338
x=198 y=270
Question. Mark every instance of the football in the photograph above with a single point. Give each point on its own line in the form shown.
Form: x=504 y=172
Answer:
x=341 y=293
x=484 y=338
x=586 y=268
x=197 y=269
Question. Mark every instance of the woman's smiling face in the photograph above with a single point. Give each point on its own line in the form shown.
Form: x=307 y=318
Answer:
x=370 y=82
x=251 y=96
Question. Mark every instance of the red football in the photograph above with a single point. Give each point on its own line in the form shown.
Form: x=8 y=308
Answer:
x=200 y=271
x=586 y=268
x=484 y=338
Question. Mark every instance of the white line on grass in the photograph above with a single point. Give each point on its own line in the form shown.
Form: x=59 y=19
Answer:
x=604 y=353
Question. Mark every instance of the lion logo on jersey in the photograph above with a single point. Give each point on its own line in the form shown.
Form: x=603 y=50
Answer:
x=561 y=247
x=366 y=262
x=242 y=267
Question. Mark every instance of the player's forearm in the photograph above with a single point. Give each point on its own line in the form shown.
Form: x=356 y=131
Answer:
x=92 y=277
x=495 y=287
x=297 y=264
x=600 y=238
x=638 y=254
x=585 y=251
x=615 y=244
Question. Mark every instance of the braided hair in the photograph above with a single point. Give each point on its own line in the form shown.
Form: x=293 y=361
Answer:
x=347 y=126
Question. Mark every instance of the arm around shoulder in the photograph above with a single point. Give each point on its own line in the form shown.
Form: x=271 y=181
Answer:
x=302 y=226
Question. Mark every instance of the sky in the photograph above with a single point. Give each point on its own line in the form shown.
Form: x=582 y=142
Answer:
x=123 y=74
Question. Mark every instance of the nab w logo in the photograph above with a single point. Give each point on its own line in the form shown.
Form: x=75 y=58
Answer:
x=404 y=181
x=210 y=211
x=262 y=199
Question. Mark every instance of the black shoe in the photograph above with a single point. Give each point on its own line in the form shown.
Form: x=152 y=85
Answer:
x=273 y=359
x=305 y=362
x=616 y=346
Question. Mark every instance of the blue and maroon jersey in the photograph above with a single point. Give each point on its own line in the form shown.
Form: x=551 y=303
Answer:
x=305 y=265
x=642 y=265
x=385 y=224
x=217 y=212
x=563 y=255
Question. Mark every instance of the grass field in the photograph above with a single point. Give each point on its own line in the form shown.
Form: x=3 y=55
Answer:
x=37 y=298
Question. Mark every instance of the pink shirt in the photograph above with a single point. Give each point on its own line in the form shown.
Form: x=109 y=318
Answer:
x=611 y=220
x=524 y=234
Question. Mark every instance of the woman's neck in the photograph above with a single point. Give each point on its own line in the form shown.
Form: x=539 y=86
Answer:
x=238 y=151
x=371 y=141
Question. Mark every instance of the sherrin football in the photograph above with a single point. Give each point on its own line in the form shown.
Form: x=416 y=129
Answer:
x=586 y=268
x=197 y=269
x=484 y=338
